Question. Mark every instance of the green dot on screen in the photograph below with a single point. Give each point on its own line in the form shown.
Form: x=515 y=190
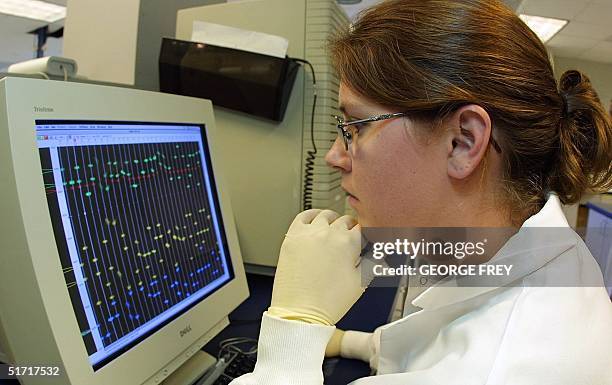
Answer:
x=135 y=185
x=92 y=178
x=88 y=194
x=71 y=182
x=177 y=146
x=135 y=160
x=143 y=172
x=78 y=181
x=107 y=188
x=146 y=160
x=90 y=165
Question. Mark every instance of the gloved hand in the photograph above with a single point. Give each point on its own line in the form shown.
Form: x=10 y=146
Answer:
x=334 y=345
x=318 y=277
x=355 y=345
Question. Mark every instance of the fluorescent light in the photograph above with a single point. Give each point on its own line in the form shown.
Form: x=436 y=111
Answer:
x=33 y=9
x=544 y=27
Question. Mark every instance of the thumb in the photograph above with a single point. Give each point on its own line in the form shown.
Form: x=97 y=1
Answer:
x=333 y=346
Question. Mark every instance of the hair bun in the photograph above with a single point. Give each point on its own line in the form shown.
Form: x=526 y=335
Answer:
x=570 y=79
x=585 y=141
x=574 y=86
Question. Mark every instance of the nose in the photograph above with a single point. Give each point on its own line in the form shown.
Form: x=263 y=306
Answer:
x=337 y=157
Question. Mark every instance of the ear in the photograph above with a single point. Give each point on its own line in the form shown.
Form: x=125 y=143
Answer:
x=469 y=130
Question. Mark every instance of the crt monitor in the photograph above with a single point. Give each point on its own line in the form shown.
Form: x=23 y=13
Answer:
x=120 y=251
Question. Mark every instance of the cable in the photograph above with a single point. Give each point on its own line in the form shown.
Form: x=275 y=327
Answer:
x=65 y=73
x=44 y=75
x=311 y=154
x=233 y=345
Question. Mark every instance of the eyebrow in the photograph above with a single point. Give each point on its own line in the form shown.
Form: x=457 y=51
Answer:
x=345 y=107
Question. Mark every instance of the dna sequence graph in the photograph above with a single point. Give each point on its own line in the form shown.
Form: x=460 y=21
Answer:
x=141 y=223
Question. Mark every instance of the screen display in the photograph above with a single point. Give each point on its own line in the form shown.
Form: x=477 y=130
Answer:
x=137 y=224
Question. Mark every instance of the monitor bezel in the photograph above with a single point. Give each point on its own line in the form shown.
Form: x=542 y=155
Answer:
x=40 y=326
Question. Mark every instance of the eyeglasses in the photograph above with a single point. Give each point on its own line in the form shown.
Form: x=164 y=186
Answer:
x=347 y=130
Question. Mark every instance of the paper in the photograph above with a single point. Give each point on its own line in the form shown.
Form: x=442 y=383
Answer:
x=242 y=39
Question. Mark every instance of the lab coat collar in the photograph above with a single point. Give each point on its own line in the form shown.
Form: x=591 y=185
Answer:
x=527 y=251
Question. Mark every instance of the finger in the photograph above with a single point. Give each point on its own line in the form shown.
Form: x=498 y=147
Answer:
x=305 y=217
x=345 y=222
x=357 y=261
x=325 y=217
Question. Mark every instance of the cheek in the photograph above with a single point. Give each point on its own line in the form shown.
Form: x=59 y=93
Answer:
x=394 y=180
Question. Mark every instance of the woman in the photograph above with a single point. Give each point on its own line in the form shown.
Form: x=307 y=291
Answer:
x=470 y=129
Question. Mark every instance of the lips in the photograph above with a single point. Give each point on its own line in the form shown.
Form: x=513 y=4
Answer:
x=349 y=193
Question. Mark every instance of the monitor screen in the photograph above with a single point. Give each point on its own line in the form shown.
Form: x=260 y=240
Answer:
x=137 y=223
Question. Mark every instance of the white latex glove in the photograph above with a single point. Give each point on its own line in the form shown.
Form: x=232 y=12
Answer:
x=318 y=277
x=334 y=344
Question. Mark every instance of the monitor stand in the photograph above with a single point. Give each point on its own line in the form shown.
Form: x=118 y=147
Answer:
x=191 y=370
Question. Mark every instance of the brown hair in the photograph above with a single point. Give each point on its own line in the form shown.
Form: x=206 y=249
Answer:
x=434 y=56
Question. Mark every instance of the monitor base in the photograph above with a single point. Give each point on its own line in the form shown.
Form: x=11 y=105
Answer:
x=191 y=370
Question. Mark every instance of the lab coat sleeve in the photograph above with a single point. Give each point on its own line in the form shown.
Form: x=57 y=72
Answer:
x=288 y=353
x=362 y=346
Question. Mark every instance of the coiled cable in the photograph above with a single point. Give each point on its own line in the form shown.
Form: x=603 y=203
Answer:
x=310 y=154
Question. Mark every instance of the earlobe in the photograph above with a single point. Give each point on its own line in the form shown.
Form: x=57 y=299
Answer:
x=470 y=132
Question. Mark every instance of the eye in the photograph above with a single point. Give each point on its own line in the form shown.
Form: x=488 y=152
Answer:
x=361 y=126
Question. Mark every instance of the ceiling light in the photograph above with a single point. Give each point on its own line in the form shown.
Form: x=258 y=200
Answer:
x=544 y=27
x=33 y=9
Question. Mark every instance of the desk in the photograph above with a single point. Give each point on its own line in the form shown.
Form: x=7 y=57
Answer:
x=371 y=311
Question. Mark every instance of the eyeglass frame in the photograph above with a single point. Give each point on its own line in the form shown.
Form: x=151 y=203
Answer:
x=347 y=137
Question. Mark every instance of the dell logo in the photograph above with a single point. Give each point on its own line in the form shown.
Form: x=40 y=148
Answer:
x=185 y=331
x=43 y=109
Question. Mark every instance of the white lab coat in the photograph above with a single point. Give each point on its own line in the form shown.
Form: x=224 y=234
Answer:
x=515 y=335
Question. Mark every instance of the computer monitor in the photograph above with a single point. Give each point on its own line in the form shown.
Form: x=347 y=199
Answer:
x=120 y=254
